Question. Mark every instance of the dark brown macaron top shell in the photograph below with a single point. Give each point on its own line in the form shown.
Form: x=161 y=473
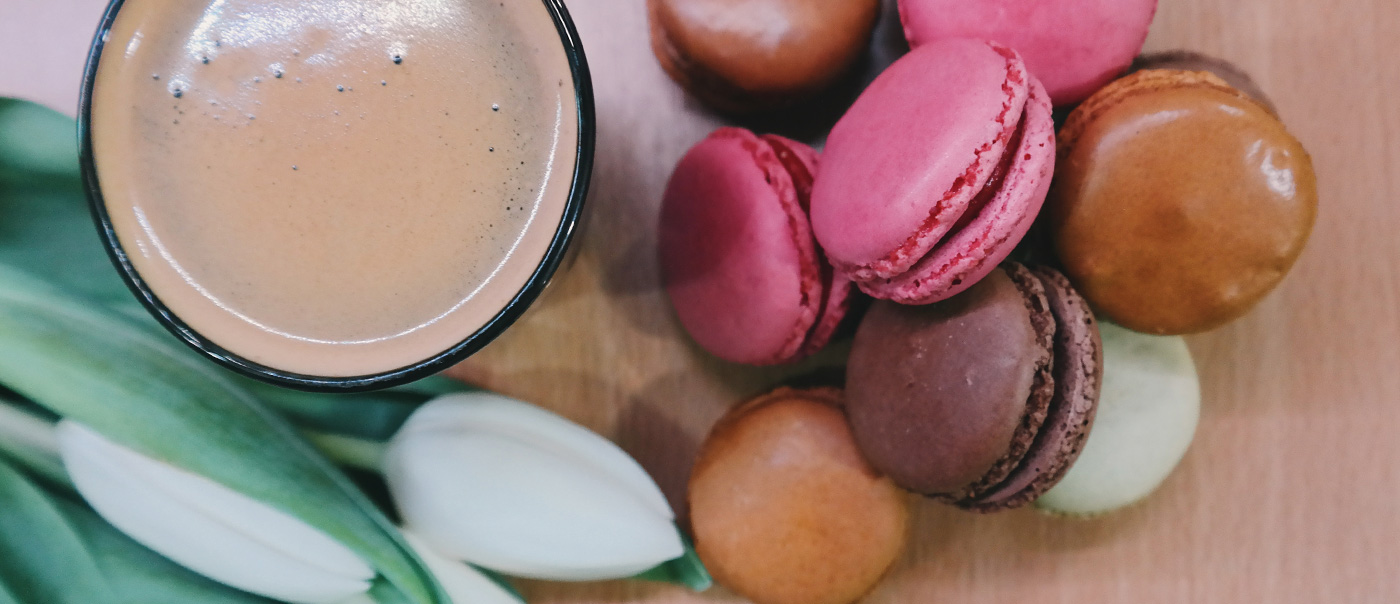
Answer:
x=741 y=56
x=982 y=400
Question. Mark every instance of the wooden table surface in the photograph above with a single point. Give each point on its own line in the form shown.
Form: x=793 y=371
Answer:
x=1291 y=492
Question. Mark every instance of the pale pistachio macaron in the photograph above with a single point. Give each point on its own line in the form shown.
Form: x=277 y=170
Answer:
x=1148 y=408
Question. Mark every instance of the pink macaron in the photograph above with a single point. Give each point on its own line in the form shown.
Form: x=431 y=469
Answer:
x=740 y=264
x=1073 y=46
x=936 y=172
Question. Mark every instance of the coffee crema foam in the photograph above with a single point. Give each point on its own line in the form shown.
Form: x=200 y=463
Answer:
x=335 y=187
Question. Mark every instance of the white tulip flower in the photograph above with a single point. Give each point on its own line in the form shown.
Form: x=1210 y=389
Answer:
x=208 y=527
x=508 y=486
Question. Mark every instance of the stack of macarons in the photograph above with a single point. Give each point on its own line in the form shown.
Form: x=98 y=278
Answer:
x=1170 y=201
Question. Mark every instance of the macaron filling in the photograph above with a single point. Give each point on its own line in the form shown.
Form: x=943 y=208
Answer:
x=1042 y=387
x=1078 y=375
x=833 y=303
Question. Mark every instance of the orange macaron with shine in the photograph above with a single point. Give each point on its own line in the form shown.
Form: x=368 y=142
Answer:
x=1179 y=202
x=784 y=508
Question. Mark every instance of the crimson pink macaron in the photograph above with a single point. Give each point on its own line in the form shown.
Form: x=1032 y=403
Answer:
x=936 y=172
x=1073 y=46
x=740 y=264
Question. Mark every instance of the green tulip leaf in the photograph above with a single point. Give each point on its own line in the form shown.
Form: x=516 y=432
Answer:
x=368 y=415
x=42 y=559
x=142 y=391
x=687 y=570
x=63 y=552
x=39 y=143
x=45 y=225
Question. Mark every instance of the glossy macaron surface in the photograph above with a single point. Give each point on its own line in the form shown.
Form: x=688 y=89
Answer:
x=785 y=510
x=1179 y=202
x=1073 y=46
x=740 y=264
x=742 y=55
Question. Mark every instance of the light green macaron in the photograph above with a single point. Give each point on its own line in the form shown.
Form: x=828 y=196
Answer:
x=1148 y=409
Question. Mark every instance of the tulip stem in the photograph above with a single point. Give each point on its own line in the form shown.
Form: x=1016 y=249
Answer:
x=28 y=438
x=348 y=450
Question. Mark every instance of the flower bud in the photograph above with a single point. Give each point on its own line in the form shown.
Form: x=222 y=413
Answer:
x=208 y=527
x=511 y=487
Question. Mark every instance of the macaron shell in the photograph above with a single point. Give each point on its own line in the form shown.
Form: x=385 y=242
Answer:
x=1073 y=46
x=743 y=55
x=917 y=146
x=1179 y=201
x=1186 y=60
x=1147 y=415
x=936 y=394
x=1078 y=371
x=973 y=250
x=739 y=261
x=1042 y=395
x=785 y=510
x=801 y=164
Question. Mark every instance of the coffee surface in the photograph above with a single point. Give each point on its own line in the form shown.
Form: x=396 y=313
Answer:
x=334 y=187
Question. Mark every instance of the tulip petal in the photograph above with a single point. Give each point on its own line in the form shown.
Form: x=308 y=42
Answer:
x=464 y=584
x=511 y=487
x=196 y=523
x=496 y=413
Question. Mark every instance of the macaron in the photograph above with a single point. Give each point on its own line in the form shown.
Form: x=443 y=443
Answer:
x=1073 y=46
x=983 y=400
x=1148 y=410
x=741 y=56
x=737 y=254
x=936 y=172
x=1179 y=201
x=1187 y=60
x=784 y=509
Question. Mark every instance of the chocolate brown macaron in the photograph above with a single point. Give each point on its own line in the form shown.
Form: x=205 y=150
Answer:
x=1179 y=201
x=742 y=56
x=983 y=400
x=785 y=510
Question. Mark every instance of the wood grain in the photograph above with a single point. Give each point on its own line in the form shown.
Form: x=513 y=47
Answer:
x=1291 y=492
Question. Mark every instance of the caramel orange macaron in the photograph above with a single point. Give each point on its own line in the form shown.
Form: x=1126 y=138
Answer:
x=741 y=56
x=785 y=510
x=1179 y=201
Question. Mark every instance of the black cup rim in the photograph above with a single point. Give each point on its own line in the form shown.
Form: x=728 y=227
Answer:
x=554 y=254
